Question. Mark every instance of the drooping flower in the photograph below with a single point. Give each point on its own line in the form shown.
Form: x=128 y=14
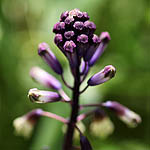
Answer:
x=126 y=115
x=24 y=125
x=101 y=125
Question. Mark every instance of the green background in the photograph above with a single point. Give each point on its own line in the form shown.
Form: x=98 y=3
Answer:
x=25 y=23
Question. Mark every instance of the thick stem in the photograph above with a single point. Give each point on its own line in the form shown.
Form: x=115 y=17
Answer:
x=75 y=108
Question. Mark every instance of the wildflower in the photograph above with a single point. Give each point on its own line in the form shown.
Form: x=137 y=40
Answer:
x=126 y=115
x=45 y=78
x=24 y=125
x=104 y=75
x=41 y=96
x=45 y=52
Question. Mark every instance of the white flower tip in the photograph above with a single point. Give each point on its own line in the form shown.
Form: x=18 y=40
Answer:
x=23 y=127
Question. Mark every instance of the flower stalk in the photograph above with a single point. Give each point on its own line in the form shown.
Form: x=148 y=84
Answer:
x=76 y=39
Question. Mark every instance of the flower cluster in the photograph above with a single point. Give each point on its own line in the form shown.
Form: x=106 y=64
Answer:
x=74 y=36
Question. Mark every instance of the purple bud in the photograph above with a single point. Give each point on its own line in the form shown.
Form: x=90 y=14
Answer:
x=84 y=142
x=69 y=46
x=58 y=39
x=69 y=20
x=69 y=34
x=126 y=115
x=85 y=16
x=90 y=27
x=64 y=15
x=104 y=75
x=40 y=96
x=91 y=50
x=105 y=38
x=45 y=52
x=82 y=44
x=82 y=38
x=78 y=25
x=45 y=78
x=59 y=27
x=84 y=68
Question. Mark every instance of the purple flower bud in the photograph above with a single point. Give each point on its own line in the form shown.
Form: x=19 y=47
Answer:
x=84 y=142
x=59 y=27
x=84 y=68
x=126 y=115
x=69 y=46
x=45 y=78
x=58 y=39
x=104 y=75
x=45 y=52
x=69 y=34
x=90 y=27
x=105 y=38
x=82 y=38
x=24 y=125
x=40 y=96
x=64 y=15
x=85 y=16
x=69 y=20
x=82 y=44
x=78 y=25
x=91 y=50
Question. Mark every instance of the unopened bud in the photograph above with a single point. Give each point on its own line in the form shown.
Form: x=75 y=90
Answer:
x=126 y=115
x=104 y=75
x=24 y=125
x=45 y=52
x=105 y=38
x=41 y=96
x=45 y=78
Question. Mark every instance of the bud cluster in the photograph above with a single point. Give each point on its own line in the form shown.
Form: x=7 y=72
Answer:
x=76 y=39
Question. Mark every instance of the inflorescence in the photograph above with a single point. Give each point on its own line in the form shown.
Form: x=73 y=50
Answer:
x=74 y=36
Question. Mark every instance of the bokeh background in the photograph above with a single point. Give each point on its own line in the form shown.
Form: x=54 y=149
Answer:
x=25 y=23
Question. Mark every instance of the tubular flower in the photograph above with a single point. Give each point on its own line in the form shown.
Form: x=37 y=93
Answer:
x=40 y=96
x=24 y=125
x=126 y=115
x=104 y=75
x=45 y=52
x=45 y=78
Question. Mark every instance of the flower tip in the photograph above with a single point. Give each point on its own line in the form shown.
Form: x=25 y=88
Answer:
x=42 y=47
x=105 y=37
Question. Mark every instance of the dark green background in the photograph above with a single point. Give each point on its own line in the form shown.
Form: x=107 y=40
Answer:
x=25 y=23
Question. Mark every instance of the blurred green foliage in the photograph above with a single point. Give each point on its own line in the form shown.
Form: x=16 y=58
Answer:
x=23 y=24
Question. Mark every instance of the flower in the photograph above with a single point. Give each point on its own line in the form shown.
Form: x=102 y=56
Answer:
x=45 y=78
x=41 y=96
x=104 y=40
x=104 y=75
x=24 y=125
x=126 y=115
x=45 y=52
